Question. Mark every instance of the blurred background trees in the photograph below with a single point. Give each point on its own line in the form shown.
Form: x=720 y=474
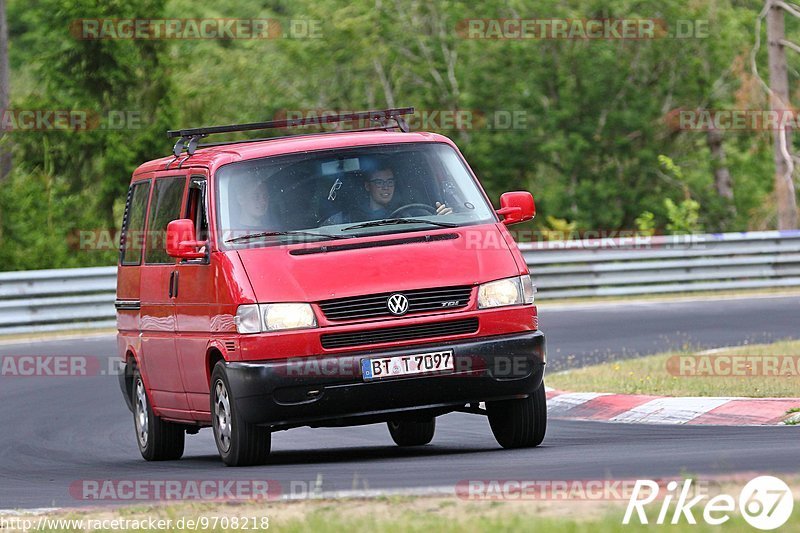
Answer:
x=597 y=144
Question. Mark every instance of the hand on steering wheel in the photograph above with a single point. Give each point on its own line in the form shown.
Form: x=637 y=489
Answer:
x=442 y=209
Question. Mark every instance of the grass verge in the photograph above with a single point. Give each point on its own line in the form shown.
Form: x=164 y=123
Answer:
x=403 y=513
x=686 y=374
x=12 y=338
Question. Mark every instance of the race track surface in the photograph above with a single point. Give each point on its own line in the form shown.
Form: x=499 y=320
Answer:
x=59 y=431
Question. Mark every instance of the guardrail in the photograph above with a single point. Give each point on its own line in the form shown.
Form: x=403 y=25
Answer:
x=664 y=264
x=78 y=298
x=44 y=300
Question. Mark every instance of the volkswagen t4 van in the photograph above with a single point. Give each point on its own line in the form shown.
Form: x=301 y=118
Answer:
x=330 y=279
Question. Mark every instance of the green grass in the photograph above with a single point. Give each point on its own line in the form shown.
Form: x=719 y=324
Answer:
x=651 y=375
x=47 y=335
x=420 y=514
x=420 y=522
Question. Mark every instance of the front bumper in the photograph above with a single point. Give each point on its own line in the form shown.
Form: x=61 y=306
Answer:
x=330 y=390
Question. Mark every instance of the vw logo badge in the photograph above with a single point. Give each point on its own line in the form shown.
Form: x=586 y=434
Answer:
x=397 y=304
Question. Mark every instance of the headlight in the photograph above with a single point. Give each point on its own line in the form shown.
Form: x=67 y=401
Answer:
x=255 y=318
x=509 y=291
x=248 y=319
x=288 y=316
x=528 y=289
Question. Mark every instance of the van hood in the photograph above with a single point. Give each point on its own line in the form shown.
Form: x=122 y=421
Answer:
x=312 y=272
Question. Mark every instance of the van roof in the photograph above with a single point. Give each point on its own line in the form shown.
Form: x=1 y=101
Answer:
x=213 y=157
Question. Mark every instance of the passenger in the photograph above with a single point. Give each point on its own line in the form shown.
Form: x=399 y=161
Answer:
x=252 y=197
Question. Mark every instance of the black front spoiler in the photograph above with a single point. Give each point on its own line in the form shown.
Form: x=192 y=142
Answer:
x=331 y=390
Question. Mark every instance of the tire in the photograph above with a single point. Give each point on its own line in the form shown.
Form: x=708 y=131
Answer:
x=519 y=423
x=238 y=443
x=412 y=432
x=157 y=439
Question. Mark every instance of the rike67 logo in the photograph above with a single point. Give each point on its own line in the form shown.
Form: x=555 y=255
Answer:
x=766 y=503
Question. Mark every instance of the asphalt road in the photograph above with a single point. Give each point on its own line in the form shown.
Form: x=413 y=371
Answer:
x=59 y=431
x=582 y=335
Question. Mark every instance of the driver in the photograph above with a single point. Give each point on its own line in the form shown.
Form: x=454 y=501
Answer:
x=380 y=187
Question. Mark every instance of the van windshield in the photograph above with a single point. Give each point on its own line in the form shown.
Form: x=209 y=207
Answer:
x=346 y=193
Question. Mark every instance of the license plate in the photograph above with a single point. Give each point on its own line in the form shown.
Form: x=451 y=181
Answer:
x=407 y=365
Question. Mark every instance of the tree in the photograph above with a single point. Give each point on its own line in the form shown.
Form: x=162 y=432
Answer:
x=779 y=102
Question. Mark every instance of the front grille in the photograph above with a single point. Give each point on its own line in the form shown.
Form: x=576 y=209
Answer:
x=374 y=305
x=401 y=333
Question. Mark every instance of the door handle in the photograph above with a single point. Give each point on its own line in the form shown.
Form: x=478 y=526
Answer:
x=173 y=284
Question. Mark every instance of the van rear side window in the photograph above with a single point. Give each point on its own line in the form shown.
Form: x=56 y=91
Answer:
x=133 y=225
x=164 y=208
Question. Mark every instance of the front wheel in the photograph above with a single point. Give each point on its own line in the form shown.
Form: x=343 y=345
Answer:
x=412 y=432
x=519 y=423
x=239 y=443
x=158 y=440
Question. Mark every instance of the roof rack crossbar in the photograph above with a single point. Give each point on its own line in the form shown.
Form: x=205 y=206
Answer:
x=261 y=139
x=381 y=116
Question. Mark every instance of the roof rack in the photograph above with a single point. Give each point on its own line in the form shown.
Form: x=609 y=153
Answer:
x=189 y=138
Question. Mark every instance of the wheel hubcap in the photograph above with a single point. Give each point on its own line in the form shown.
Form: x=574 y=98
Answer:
x=140 y=417
x=222 y=416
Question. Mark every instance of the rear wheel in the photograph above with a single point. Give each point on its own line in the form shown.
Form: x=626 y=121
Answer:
x=412 y=432
x=519 y=423
x=158 y=440
x=239 y=443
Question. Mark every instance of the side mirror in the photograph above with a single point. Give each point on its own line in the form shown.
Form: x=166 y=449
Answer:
x=516 y=207
x=182 y=241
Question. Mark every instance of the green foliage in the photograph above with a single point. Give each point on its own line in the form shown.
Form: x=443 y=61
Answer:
x=646 y=223
x=50 y=225
x=559 y=229
x=683 y=217
x=670 y=166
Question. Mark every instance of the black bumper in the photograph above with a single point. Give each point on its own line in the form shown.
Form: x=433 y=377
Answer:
x=125 y=376
x=330 y=390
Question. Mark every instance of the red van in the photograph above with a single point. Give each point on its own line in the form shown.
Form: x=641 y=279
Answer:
x=330 y=279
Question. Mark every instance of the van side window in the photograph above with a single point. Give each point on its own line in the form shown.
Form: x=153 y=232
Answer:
x=196 y=212
x=164 y=208
x=132 y=235
x=196 y=207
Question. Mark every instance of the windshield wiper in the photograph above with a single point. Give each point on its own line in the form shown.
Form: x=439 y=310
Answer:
x=394 y=221
x=261 y=234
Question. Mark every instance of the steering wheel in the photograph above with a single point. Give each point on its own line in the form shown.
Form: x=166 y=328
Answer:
x=424 y=207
